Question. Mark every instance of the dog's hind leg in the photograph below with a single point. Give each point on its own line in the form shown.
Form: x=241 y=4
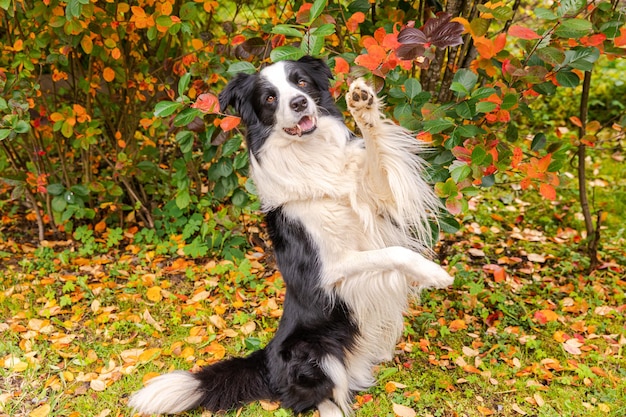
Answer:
x=415 y=267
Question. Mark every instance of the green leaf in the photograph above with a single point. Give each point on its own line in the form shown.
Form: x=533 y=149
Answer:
x=221 y=168
x=546 y=88
x=80 y=190
x=466 y=109
x=21 y=126
x=184 y=138
x=582 y=58
x=183 y=83
x=468 y=131
x=437 y=126
x=240 y=198
x=59 y=204
x=183 y=199
x=551 y=55
x=546 y=14
x=465 y=78
x=286 y=52
x=573 y=28
x=312 y=44
x=324 y=30
x=166 y=108
x=186 y=116
x=4 y=133
x=479 y=155
x=55 y=189
x=570 y=7
x=567 y=78
x=539 y=142
x=241 y=66
x=483 y=92
x=317 y=9
x=460 y=172
x=509 y=101
x=287 y=30
x=231 y=146
x=412 y=88
x=485 y=107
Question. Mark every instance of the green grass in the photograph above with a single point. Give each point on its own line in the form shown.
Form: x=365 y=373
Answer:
x=72 y=321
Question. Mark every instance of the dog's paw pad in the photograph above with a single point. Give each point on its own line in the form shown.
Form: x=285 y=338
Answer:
x=360 y=96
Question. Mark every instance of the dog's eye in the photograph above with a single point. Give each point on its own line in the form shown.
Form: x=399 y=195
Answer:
x=270 y=99
x=302 y=83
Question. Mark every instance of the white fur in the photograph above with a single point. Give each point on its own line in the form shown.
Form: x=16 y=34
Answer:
x=167 y=394
x=366 y=207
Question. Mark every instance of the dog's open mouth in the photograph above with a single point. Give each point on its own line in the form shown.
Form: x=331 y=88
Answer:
x=306 y=125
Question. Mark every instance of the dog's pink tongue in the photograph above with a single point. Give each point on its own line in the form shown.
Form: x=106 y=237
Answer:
x=305 y=124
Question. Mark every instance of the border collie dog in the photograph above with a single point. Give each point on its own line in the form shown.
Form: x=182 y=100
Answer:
x=348 y=219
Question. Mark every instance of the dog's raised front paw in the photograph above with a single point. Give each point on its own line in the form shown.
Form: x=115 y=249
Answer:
x=363 y=103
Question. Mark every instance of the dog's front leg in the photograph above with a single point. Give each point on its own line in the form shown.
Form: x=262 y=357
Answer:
x=415 y=267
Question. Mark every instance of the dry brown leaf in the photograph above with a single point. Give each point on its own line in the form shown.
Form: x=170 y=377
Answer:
x=539 y=399
x=518 y=409
x=97 y=385
x=403 y=411
x=269 y=405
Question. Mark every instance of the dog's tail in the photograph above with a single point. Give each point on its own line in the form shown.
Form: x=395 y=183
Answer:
x=222 y=386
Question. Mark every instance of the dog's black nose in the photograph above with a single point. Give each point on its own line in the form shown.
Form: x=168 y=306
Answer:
x=299 y=103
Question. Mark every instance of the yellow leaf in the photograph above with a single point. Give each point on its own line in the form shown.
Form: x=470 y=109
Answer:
x=108 y=74
x=41 y=411
x=147 y=377
x=150 y=354
x=154 y=294
x=18 y=45
x=390 y=387
x=87 y=44
x=116 y=53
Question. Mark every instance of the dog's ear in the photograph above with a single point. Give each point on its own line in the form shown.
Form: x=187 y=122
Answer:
x=318 y=70
x=238 y=93
x=233 y=93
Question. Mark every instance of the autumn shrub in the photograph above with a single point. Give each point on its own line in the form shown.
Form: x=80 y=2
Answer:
x=110 y=116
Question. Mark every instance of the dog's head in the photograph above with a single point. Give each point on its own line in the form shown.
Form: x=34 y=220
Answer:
x=285 y=98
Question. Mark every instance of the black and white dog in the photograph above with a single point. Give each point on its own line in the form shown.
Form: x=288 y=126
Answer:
x=348 y=218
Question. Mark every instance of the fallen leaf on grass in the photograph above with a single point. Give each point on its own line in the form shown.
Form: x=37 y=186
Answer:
x=403 y=411
x=40 y=411
x=539 y=399
x=485 y=411
x=457 y=325
x=518 y=409
x=544 y=316
x=269 y=405
x=572 y=346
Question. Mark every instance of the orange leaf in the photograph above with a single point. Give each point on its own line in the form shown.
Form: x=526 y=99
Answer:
x=229 y=123
x=457 y=325
x=341 y=66
x=544 y=316
x=576 y=121
x=547 y=191
x=100 y=226
x=484 y=410
x=353 y=22
x=523 y=33
x=108 y=74
x=620 y=40
x=390 y=387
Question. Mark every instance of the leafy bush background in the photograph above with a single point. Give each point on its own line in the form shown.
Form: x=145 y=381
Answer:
x=108 y=125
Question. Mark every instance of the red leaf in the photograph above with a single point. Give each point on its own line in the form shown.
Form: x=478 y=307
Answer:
x=207 y=103
x=523 y=33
